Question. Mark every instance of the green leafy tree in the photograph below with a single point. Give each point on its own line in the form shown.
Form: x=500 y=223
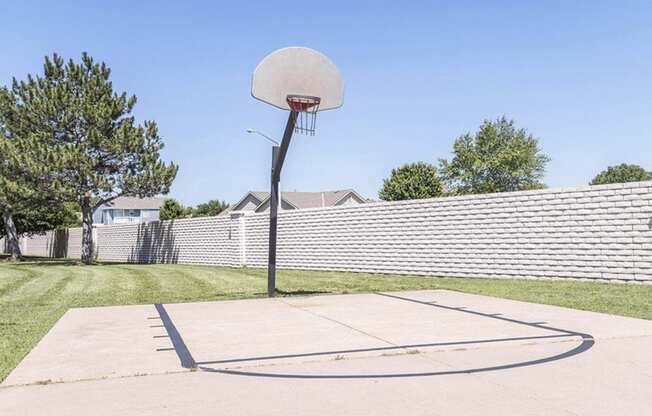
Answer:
x=412 y=181
x=37 y=219
x=209 y=209
x=172 y=209
x=622 y=173
x=85 y=133
x=498 y=158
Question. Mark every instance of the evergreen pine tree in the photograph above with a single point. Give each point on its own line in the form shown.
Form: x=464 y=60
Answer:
x=30 y=200
x=84 y=133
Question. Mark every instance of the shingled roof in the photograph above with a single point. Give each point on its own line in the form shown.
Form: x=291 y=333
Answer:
x=302 y=200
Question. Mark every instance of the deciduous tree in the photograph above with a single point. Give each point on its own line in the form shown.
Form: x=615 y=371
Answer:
x=622 y=173
x=38 y=218
x=412 y=181
x=498 y=158
x=210 y=208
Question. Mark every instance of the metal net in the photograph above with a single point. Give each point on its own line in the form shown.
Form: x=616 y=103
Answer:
x=307 y=108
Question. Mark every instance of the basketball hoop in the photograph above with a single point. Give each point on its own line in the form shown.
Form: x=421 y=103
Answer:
x=302 y=81
x=307 y=107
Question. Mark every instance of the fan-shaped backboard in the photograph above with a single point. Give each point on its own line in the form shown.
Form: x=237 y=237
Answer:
x=297 y=71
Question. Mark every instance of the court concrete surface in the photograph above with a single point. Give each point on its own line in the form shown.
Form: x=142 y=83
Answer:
x=429 y=352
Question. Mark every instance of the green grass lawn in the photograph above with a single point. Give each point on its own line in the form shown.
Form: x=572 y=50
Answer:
x=35 y=294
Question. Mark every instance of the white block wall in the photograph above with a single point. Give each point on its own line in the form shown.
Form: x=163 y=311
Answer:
x=74 y=243
x=599 y=232
x=51 y=243
x=210 y=240
x=38 y=245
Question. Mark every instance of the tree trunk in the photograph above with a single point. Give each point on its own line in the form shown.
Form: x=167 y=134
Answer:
x=12 y=236
x=87 y=233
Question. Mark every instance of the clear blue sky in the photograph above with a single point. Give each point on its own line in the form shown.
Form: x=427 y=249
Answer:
x=578 y=75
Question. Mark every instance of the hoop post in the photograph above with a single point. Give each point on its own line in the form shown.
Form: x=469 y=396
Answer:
x=278 y=157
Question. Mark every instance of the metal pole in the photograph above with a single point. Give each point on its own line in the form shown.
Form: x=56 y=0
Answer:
x=273 y=219
x=278 y=157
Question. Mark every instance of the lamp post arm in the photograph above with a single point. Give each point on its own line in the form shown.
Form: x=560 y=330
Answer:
x=267 y=137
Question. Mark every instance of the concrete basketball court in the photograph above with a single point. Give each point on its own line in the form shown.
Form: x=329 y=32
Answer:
x=416 y=353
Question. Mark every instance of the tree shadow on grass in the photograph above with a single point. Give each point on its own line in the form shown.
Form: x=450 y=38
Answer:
x=43 y=262
x=32 y=261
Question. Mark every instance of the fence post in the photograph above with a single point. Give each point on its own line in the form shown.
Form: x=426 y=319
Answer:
x=243 y=240
x=96 y=244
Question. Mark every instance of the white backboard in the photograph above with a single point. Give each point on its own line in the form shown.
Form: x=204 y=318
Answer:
x=297 y=71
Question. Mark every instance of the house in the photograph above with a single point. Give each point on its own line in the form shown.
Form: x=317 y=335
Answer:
x=259 y=201
x=127 y=210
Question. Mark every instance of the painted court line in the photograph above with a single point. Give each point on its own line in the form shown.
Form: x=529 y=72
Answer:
x=187 y=360
x=388 y=348
x=499 y=317
x=587 y=343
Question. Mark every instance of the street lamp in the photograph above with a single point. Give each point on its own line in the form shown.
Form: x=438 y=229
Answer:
x=254 y=131
x=274 y=153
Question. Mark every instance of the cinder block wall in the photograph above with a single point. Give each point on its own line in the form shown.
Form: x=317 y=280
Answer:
x=595 y=232
x=38 y=245
x=74 y=238
x=210 y=240
x=55 y=243
x=602 y=232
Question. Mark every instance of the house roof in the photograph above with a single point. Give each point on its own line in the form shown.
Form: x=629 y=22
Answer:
x=301 y=200
x=260 y=195
x=296 y=200
x=132 y=202
x=314 y=199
